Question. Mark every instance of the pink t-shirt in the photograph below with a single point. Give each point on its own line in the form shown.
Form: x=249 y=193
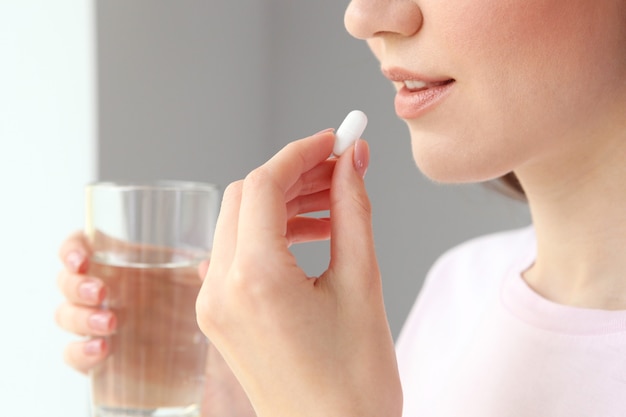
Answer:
x=480 y=343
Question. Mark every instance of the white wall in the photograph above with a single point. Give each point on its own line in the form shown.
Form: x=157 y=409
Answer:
x=46 y=156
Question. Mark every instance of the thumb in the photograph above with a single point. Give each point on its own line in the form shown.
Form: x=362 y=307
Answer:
x=352 y=238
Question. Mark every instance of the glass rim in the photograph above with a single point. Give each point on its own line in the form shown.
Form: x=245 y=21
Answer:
x=147 y=185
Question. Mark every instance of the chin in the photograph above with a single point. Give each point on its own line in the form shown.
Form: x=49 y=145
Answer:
x=445 y=173
x=454 y=164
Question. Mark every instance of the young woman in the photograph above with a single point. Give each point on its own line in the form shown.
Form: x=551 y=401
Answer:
x=524 y=323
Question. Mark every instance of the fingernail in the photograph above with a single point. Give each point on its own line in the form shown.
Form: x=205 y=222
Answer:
x=103 y=321
x=361 y=155
x=90 y=291
x=74 y=260
x=94 y=346
x=330 y=129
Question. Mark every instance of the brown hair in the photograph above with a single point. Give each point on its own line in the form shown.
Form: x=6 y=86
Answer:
x=509 y=185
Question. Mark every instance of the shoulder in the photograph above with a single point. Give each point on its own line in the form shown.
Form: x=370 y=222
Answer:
x=467 y=277
x=459 y=291
x=486 y=253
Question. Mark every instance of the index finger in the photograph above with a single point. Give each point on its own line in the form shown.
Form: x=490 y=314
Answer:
x=75 y=252
x=297 y=158
x=263 y=212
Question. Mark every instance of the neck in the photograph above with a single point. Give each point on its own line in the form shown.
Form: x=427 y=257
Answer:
x=578 y=211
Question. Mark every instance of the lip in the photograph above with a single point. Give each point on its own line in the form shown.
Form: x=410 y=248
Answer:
x=428 y=91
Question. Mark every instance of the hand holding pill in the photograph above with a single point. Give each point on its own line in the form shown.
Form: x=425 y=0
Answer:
x=279 y=329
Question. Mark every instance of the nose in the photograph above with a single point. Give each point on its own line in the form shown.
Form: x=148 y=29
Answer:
x=366 y=19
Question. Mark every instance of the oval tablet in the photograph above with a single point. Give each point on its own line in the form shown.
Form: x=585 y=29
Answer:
x=350 y=130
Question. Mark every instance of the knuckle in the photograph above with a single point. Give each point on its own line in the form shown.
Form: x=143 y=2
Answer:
x=245 y=293
x=204 y=316
x=209 y=310
x=362 y=204
x=74 y=357
x=73 y=241
x=252 y=288
x=233 y=190
x=69 y=356
x=202 y=301
x=257 y=178
x=59 y=315
x=297 y=150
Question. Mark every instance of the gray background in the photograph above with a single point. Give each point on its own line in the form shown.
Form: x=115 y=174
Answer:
x=207 y=90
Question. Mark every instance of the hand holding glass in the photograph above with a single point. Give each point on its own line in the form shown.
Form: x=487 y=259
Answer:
x=147 y=241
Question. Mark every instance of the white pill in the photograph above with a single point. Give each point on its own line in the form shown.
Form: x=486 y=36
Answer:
x=350 y=130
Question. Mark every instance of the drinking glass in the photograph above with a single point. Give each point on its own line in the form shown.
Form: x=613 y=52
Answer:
x=147 y=240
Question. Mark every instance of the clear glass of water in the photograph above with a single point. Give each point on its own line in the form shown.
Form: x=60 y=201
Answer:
x=147 y=241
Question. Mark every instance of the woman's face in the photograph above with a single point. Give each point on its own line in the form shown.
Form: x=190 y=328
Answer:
x=508 y=83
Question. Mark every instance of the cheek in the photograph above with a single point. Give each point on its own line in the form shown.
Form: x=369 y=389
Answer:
x=508 y=32
x=526 y=72
x=559 y=48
